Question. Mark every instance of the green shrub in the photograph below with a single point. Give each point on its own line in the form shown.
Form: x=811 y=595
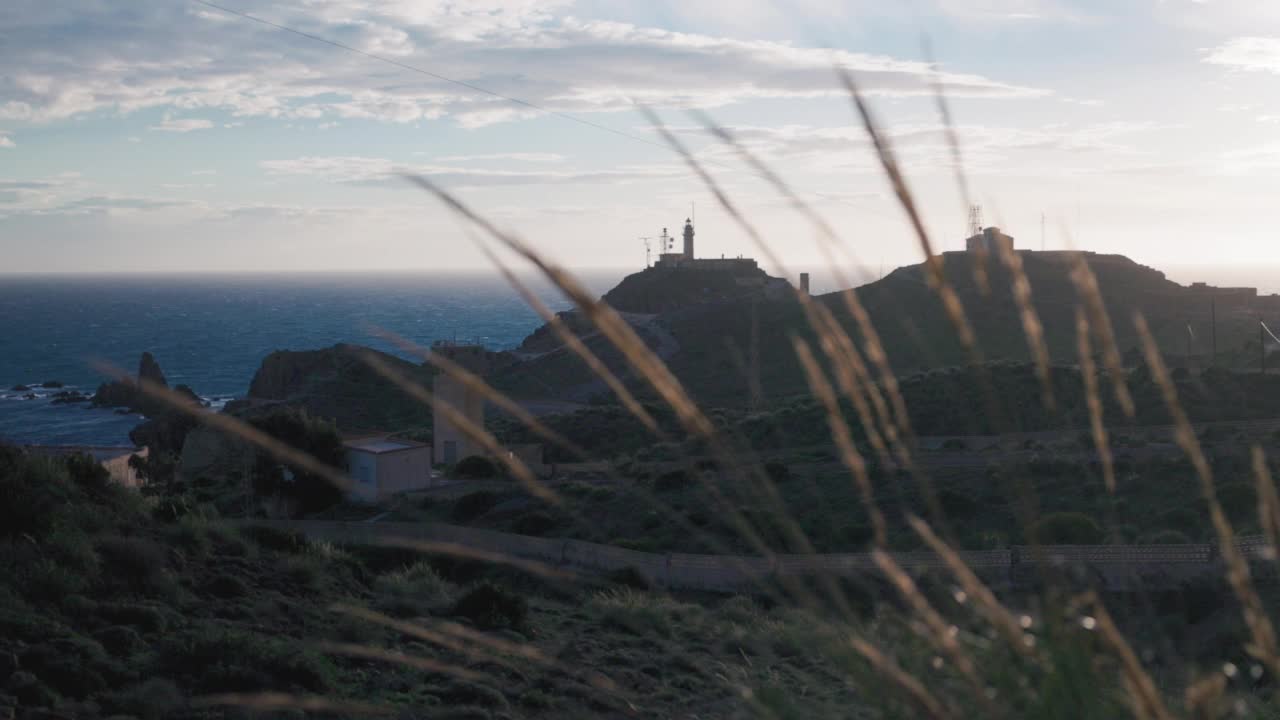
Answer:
x=271 y=538
x=415 y=590
x=303 y=570
x=638 y=612
x=119 y=640
x=211 y=660
x=473 y=505
x=147 y=618
x=777 y=472
x=225 y=585
x=1164 y=537
x=535 y=523
x=1067 y=528
x=33 y=491
x=629 y=577
x=455 y=693
x=319 y=440
x=137 y=562
x=74 y=666
x=152 y=699
x=475 y=467
x=491 y=607
x=674 y=480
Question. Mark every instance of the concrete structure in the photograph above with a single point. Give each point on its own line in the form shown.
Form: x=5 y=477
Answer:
x=451 y=443
x=112 y=457
x=987 y=240
x=686 y=260
x=804 y=283
x=473 y=356
x=380 y=467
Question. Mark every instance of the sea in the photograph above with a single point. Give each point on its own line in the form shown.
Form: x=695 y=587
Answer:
x=211 y=332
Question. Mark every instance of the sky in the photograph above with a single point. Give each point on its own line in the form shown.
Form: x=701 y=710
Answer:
x=172 y=136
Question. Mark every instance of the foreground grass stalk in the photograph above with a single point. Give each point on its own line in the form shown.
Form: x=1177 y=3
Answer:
x=1093 y=399
x=1086 y=284
x=1142 y=689
x=943 y=636
x=997 y=614
x=1263 y=646
x=913 y=688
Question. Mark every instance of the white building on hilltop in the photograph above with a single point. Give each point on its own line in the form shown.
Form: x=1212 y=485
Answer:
x=987 y=240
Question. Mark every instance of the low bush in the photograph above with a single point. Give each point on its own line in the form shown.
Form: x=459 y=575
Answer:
x=535 y=523
x=271 y=538
x=211 y=660
x=490 y=607
x=415 y=590
x=137 y=562
x=152 y=699
x=475 y=467
x=640 y=613
x=146 y=618
x=226 y=586
x=473 y=505
x=629 y=577
x=1067 y=528
x=777 y=472
x=674 y=480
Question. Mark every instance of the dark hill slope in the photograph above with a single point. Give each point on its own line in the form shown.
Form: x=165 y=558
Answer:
x=715 y=355
x=656 y=290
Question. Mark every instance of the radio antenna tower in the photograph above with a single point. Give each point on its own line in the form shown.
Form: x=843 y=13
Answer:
x=648 y=251
x=975 y=220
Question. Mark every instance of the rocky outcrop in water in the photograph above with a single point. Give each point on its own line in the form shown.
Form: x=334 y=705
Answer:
x=128 y=395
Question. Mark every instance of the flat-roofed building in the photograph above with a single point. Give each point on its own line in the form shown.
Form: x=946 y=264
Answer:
x=380 y=467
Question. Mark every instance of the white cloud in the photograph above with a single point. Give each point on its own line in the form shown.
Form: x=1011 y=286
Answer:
x=370 y=170
x=926 y=145
x=135 y=61
x=1248 y=53
x=6 y=141
x=182 y=125
x=515 y=157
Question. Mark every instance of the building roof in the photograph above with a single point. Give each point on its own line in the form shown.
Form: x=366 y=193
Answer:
x=379 y=445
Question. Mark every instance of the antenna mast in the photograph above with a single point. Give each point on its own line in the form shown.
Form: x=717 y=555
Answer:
x=647 y=251
x=975 y=220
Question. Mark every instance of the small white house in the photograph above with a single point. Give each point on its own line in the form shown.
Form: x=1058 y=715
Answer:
x=380 y=467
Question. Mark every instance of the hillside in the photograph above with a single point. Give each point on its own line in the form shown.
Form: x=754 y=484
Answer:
x=713 y=338
x=338 y=384
x=656 y=290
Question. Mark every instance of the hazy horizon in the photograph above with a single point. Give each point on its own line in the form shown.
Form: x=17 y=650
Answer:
x=1266 y=278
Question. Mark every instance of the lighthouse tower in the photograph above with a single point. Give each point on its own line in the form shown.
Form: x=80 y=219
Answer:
x=688 y=239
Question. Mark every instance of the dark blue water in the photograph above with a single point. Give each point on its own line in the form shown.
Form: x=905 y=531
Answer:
x=211 y=332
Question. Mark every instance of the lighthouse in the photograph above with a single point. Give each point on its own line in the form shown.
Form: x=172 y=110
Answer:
x=688 y=239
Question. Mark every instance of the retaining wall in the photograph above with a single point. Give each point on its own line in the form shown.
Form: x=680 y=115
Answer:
x=1121 y=567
